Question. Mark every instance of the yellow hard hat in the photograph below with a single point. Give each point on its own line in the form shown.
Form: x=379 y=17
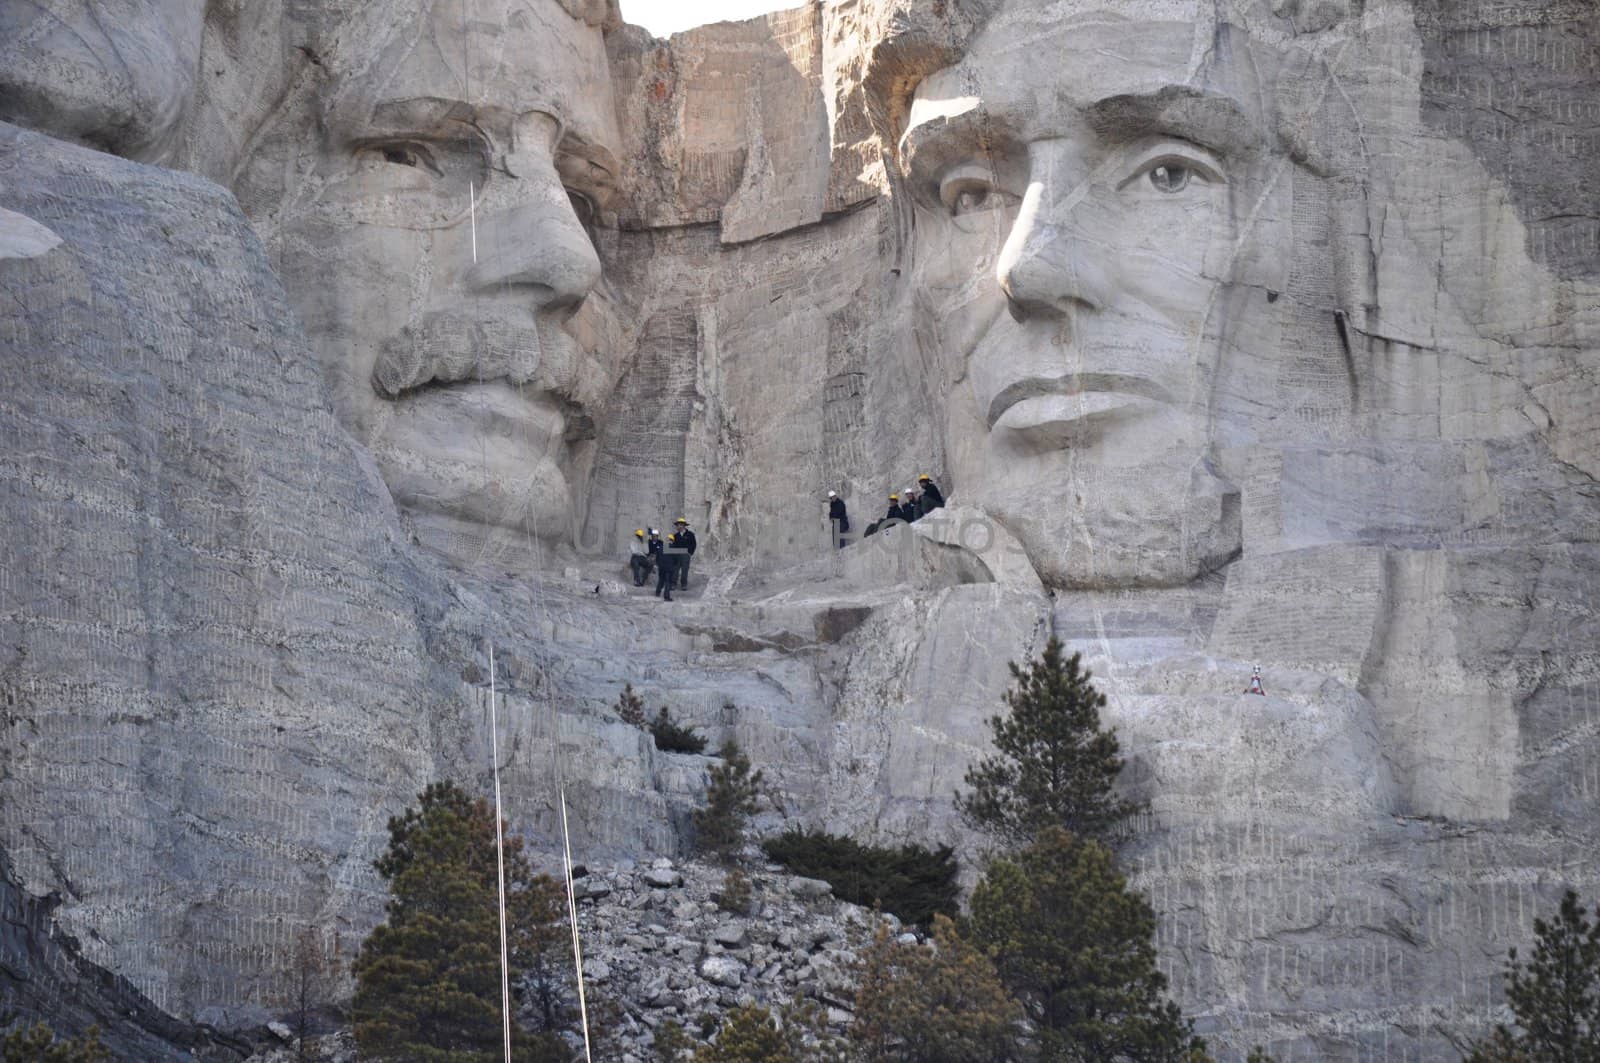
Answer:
x=924 y=477
x=639 y=532
x=681 y=520
x=894 y=498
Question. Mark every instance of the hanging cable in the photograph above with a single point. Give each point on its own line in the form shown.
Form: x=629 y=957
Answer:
x=542 y=605
x=500 y=859
x=494 y=713
x=572 y=912
x=555 y=728
x=549 y=701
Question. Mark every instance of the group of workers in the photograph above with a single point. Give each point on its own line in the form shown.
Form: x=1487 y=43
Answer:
x=668 y=558
x=907 y=506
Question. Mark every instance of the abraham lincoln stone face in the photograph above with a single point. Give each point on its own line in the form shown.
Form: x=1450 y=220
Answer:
x=438 y=248
x=1095 y=199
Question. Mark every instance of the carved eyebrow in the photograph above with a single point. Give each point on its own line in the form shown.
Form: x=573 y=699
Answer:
x=1208 y=118
x=421 y=114
x=932 y=145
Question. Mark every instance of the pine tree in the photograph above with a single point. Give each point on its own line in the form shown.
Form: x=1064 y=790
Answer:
x=671 y=737
x=428 y=978
x=671 y=1044
x=38 y=1044
x=630 y=708
x=737 y=894
x=942 y=1003
x=1054 y=766
x=730 y=801
x=1555 y=995
x=310 y=986
x=751 y=1034
x=1075 y=945
x=913 y=882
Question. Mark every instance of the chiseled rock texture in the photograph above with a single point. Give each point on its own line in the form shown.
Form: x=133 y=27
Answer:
x=1404 y=444
x=213 y=662
x=44 y=978
x=223 y=662
x=224 y=666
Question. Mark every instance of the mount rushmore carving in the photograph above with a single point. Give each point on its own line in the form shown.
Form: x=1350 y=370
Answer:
x=1237 y=332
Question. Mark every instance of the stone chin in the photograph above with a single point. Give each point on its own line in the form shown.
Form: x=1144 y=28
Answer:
x=1092 y=526
x=489 y=454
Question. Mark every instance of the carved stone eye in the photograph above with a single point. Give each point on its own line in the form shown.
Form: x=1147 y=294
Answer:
x=583 y=207
x=401 y=156
x=971 y=199
x=1170 y=177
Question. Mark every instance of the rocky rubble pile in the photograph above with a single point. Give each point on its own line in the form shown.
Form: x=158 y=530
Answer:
x=659 y=943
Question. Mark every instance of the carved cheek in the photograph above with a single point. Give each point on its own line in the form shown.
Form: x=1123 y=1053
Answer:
x=956 y=282
x=1170 y=257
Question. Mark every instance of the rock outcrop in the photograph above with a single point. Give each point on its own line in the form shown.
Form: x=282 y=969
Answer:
x=216 y=682
x=44 y=978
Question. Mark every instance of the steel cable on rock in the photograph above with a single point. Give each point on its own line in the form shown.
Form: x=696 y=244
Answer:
x=542 y=609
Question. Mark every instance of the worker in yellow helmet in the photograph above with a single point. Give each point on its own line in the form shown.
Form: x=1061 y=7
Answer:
x=639 y=558
x=893 y=514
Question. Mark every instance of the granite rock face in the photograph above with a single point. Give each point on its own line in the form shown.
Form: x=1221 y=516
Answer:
x=44 y=978
x=213 y=658
x=1270 y=341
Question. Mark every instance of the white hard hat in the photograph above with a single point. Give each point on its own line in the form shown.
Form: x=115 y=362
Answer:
x=833 y=494
x=909 y=490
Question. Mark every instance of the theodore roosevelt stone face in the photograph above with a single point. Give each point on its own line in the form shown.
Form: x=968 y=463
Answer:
x=438 y=248
x=1093 y=191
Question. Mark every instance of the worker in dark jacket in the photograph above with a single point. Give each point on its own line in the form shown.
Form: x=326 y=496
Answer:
x=653 y=548
x=838 y=517
x=931 y=498
x=896 y=511
x=666 y=565
x=684 y=540
x=910 y=505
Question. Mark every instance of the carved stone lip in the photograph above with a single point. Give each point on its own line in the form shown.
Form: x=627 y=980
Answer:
x=449 y=349
x=1075 y=384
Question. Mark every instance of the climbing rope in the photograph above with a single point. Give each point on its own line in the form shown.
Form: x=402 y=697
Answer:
x=542 y=608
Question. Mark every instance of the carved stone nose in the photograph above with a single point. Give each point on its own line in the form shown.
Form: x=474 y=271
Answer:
x=1051 y=274
x=538 y=245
